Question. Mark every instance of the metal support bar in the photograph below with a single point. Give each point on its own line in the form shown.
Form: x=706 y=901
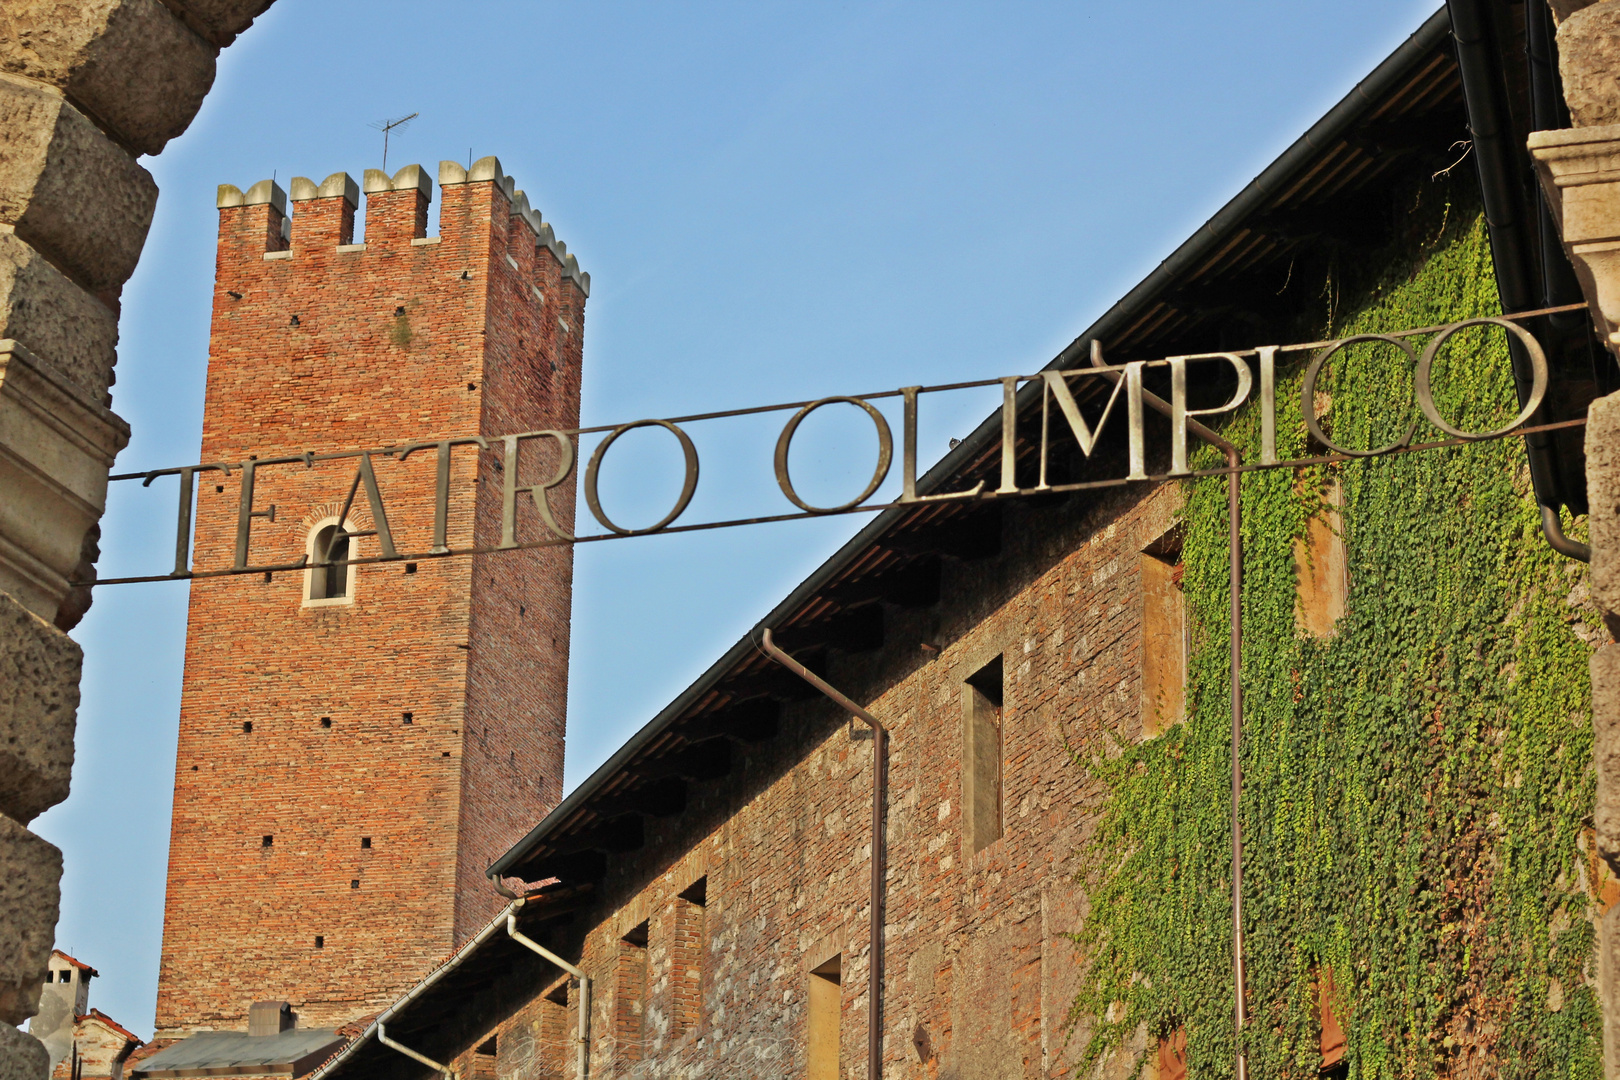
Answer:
x=382 y=1037
x=1234 y=543
x=880 y=784
x=583 y=1034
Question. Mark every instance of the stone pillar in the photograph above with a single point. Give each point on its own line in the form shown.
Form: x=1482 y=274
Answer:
x=1579 y=168
x=85 y=88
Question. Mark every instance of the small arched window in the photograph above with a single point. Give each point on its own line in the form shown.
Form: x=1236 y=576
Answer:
x=329 y=582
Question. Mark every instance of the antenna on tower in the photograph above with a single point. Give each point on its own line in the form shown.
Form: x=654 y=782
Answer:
x=388 y=126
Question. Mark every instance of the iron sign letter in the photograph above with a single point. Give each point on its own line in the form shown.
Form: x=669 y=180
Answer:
x=1307 y=396
x=1055 y=385
x=540 y=493
x=1179 y=412
x=1538 y=387
x=688 y=485
x=1009 y=436
x=1268 y=404
x=885 y=455
x=245 y=514
x=908 y=464
x=441 y=492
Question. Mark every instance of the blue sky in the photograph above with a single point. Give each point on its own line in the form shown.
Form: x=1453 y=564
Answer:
x=775 y=202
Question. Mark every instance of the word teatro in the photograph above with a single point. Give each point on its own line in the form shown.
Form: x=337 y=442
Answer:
x=1053 y=388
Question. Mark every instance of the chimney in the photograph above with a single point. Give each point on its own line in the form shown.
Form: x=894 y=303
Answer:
x=269 y=1017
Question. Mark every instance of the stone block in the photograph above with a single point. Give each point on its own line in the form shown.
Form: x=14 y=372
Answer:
x=218 y=20
x=54 y=318
x=1609 y=990
x=1579 y=170
x=68 y=189
x=1588 y=59
x=1606 y=750
x=22 y=1057
x=1603 y=496
x=131 y=64
x=39 y=697
x=1563 y=9
x=30 y=890
x=57 y=444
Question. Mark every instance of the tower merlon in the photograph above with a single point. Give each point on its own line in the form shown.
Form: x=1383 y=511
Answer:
x=265 y=191
x=411 y=177
x=326 y=216
x=339 y=183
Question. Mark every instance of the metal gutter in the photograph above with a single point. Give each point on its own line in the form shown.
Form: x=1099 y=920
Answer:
x=1525 y=278
x=1334 y=125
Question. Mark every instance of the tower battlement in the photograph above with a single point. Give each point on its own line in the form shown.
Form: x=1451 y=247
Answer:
x=396 y=208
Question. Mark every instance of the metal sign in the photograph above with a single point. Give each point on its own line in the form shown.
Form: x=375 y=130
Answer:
x=1059 y=409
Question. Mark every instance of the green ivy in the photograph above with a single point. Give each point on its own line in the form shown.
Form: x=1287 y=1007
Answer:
x=1415 y=786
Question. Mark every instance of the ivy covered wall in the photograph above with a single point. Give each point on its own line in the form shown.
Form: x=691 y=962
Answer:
x=1418 y=786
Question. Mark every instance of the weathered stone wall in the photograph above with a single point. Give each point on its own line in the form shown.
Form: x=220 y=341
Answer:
x=293 y=715
x=84 y=89
x=980 y=970
x=1578 y=174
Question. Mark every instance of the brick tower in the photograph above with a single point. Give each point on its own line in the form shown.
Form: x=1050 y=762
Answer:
x=356 y=747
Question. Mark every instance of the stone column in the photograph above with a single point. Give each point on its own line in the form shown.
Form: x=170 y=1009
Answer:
x=85 y=88
x=1579 y=170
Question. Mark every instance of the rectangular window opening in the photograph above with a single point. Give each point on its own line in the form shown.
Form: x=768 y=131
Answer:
x=686 y=956
x=405 y=718
x=267 y=841
x=320 y=942
x=556 y=1043
x=825 y=1012
x=630 y=996
x=1321 y=570
x=1329 y=1009
x=983 y=751
x=1164 y=636
x=1171 y=1060
x=365 y=841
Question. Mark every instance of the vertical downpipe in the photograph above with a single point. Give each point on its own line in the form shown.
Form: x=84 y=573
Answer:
x=1234 y=525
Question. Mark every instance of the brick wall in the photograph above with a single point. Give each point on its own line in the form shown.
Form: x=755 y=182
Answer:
x=323 y=346
x=980 y=971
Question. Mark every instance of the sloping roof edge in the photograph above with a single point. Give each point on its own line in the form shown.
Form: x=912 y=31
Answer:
x=1341 y=117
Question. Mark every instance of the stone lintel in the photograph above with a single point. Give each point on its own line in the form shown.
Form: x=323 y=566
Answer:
x=57 y=444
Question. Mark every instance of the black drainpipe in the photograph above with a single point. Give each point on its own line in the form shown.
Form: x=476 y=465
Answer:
x=1527 y=276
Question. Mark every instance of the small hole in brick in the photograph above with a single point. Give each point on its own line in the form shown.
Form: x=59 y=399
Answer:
x=320 y=942
x=194 y=768
x=365 y=841
x=522 y=610
x=399 y=310
x=445 y=754
x=247 y=727
x=268 y=841
x=354 y=884
x=326 y=721
x=219 y=489
x=294 y=321
x=470 y=386
x=406 y=718
x=410 y=568
x=267 y=577
x=466 y=275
